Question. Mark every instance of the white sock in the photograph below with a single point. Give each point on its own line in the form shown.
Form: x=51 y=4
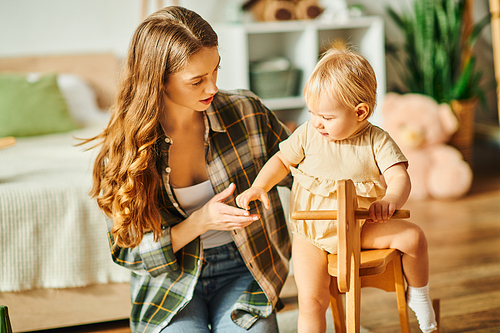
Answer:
x=419 y=301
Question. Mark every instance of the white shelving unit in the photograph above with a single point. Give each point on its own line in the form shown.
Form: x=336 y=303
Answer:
x=302 y=42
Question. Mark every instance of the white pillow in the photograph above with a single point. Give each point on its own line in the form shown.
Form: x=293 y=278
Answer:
x=81 y=99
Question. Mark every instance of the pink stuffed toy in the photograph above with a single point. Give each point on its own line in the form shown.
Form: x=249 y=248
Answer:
x=422 y=127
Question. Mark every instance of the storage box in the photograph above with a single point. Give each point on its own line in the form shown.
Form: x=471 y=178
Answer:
x=275 y=83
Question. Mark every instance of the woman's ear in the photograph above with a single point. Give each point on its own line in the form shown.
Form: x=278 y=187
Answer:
x=362 y=111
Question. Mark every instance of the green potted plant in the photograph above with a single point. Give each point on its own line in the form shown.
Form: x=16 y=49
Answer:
x=436 y=59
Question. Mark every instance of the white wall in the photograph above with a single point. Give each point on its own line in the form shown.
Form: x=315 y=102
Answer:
x=41 y=27
x=44 y=27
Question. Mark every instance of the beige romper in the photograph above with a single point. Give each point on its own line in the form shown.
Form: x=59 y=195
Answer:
x=362 y=157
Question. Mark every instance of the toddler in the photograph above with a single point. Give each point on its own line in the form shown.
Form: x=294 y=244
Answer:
x=338 y=143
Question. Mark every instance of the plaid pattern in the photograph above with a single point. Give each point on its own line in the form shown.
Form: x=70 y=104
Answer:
x=242 y=134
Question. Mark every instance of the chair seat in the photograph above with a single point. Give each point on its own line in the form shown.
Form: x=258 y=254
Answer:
x=372 y=262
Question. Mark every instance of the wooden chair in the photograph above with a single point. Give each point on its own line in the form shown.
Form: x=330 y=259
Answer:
x=354 y=268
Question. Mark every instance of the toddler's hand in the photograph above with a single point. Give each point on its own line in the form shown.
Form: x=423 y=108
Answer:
x=217 y=215
x=381 y=211
x=253 y=193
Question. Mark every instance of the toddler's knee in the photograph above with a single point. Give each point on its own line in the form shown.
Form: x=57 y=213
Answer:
x=416 y=239
x=411 y=241
x=316 y=305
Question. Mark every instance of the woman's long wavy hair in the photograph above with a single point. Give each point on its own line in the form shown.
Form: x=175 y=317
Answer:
x=125 y=179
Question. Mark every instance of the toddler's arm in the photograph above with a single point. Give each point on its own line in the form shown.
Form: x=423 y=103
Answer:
x=271 y=174
x=398 y=190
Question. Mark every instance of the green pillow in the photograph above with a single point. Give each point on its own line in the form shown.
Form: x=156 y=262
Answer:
x=32 y=108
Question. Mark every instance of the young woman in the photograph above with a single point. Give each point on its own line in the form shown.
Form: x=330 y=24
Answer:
x=173 y=157
x=340 y=143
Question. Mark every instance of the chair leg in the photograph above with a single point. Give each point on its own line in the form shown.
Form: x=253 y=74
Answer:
x=353 y=301
x=353 y=311
x=401 y=296
x=337 y=306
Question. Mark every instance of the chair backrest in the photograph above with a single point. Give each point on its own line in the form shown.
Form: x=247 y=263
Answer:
x=348 y=247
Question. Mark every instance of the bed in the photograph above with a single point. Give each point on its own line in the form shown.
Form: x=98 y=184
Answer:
x=55 y=265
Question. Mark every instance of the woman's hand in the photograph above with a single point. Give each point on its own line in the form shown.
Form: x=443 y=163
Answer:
x=253 y=193
x=381 y=211
x=216 y=215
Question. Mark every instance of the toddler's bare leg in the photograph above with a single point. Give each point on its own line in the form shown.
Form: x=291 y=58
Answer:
x=313 y=283
x=409 y=239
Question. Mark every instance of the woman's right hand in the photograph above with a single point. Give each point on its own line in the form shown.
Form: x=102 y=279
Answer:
x=216 y=215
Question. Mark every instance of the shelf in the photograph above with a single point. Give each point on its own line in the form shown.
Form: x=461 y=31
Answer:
x=296 y=102
x=302 y=42
x=299 y=25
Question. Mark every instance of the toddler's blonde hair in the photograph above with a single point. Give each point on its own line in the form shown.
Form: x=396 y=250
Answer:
x=343 y=74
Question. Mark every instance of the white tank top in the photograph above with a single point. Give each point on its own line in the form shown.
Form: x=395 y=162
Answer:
x=192 y=198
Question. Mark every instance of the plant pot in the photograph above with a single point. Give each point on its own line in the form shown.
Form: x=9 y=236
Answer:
x=463 y=139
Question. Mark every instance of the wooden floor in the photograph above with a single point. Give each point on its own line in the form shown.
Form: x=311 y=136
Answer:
x=464 y=249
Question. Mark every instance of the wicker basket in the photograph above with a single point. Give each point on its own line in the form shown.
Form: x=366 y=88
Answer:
x=463 y=139
x=275 y=84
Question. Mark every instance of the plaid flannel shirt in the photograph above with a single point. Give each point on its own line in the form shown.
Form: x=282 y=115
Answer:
x=241 y=135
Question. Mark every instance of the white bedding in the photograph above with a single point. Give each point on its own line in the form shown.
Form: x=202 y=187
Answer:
x=52 y=234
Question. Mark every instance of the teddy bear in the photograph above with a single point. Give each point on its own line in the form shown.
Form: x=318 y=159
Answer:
x=422 y=127
x=283 y=10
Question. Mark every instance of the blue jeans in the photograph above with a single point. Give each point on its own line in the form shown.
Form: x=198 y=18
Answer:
x=224 y=277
